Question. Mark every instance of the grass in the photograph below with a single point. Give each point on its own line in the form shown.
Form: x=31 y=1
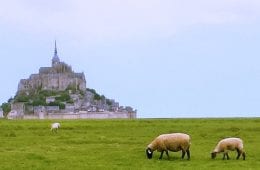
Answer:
x=120 y=144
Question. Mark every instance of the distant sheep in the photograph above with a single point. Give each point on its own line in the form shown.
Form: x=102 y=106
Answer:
x=170 y=142
x=55 y=127
x=229 y=144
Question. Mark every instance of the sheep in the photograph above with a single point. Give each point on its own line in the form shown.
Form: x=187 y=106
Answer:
x=229 y=144
x=170 y=142
x=55 y=127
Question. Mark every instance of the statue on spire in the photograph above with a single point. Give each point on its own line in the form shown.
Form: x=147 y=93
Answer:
x=55 y=58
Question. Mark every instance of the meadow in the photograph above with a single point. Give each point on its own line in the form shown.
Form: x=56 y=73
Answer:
x=121 y=144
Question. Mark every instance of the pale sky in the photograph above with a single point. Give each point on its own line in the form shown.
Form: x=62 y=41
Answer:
x=165 y=58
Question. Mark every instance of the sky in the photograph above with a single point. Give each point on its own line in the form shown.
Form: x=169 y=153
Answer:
x=165 y=58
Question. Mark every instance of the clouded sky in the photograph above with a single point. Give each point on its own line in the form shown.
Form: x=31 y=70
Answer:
x=166 y=58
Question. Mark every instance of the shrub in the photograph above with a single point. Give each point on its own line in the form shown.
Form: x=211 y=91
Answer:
x=6 y=108
x=39 y=102
x=92 y=91
x=63 y=97
x=22 y=98
x=97 y=97
x=57 y=103
x=108 y=102
x=47 y=93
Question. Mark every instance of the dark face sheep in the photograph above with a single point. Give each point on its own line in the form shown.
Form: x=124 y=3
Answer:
x=229 y=144
x=149 y=153
x=213 y=155
x=169 y=142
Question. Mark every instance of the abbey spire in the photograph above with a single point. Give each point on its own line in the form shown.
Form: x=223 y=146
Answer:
x=55 y=58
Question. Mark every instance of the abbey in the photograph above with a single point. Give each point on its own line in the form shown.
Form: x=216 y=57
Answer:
x=57 y=77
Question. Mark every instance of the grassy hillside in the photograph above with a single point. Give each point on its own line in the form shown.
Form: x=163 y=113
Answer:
x=120 y=144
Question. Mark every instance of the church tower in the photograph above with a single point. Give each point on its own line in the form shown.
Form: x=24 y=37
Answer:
x=55 y=58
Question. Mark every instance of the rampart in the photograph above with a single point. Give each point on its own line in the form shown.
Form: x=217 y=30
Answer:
x=83 y=115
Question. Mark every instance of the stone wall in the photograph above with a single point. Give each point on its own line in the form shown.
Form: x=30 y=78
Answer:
x=1 y=113
x=83 y=115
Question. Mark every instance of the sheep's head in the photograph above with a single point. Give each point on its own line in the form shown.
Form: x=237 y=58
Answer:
x=149 y=153
x=213 y=155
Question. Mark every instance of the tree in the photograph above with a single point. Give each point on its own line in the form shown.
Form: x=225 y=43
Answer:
x=6 y=108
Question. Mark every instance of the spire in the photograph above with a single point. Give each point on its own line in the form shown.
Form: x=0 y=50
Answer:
x=55 y=50
x=55 y=58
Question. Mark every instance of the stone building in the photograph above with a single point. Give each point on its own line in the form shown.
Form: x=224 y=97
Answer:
x=57 y=77
x=17 y=111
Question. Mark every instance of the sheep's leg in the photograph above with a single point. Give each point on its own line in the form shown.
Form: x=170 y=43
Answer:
x=244 y=155
x=238 y=153
x=227 y=156
x=183 y=154
x=188 y=154
x=161 y=155
x=167 y=153
x=224 y=156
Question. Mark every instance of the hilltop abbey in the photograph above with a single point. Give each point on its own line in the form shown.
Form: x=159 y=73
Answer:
x=57 y=92
x=57 y=77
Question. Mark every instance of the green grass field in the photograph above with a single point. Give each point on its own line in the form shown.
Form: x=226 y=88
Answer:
x=121 y=144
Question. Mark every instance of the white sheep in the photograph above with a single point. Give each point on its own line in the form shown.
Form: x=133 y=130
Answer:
x=170 y=142
x=55 y=127
x=229 y=144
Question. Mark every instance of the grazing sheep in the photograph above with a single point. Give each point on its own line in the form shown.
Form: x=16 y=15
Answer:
x=229 y=144
x=55 y=127
x=170 y=142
